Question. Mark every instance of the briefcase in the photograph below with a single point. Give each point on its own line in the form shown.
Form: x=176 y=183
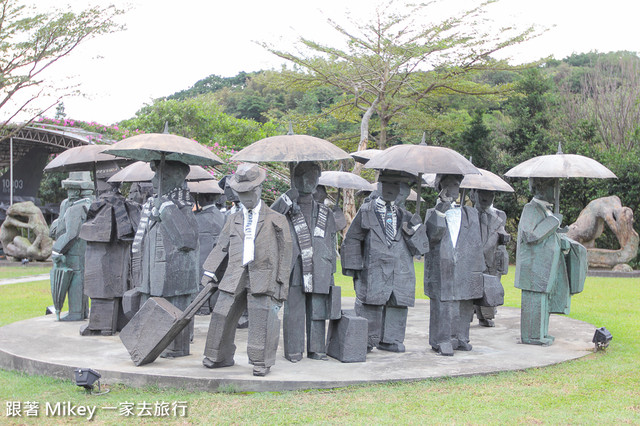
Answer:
x=492 y=291
x=576 y=266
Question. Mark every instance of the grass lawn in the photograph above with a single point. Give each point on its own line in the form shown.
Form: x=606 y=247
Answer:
x=603 y=387
x=22 y=271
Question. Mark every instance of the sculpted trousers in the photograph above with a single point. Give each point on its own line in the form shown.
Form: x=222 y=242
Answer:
x=302 y=308
x=534 y=318
x=387 y=323
x=78 y=301
x=264 y=327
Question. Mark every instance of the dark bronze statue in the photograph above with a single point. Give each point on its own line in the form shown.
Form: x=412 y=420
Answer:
x=165 y=248
x=311 y=283
x=109 y=231
x=550 y=267
x=256 y=244
x=67 y=274
x=496 y=259
x=378 y=252
x=453 y=267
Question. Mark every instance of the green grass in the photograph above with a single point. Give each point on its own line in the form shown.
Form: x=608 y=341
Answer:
x=603 y=387
x=22 y=271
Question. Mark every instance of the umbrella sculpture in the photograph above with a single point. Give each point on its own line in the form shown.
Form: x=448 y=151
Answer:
x=343 y=180
x=558 y=166
x=365 y=155
x=84 y=158
x=140 y=171
x=420 y=159
x=485 y=180
x=205 y=187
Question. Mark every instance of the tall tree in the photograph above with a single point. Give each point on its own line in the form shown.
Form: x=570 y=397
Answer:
x=399 y=59
x=31 y=43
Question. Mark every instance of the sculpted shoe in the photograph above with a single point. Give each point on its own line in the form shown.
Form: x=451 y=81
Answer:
x=260 y=371
x=487 y=323
x=463 y=346
x=207 y=362
x=294 y=357
x=391 y=347
x=444 y=349
x=318 y=355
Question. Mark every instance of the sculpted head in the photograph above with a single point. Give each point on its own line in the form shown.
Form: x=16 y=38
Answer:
x=305 y=176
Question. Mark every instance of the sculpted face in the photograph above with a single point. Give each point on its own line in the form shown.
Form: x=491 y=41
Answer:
x=450 y=185
x=389 y=190
x=305 y=177
x=320 y=194
x=250 y=199
x=543 y=189
x=73 y=193
x=170 y=177
x=483 y=198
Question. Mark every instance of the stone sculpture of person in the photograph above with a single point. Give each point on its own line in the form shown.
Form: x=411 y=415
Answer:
x=109 y=231
x=256 y=243
x=320 y=195
x=378 y=252
x=313 y=231
x=210 y=222
x=453 y=267
x=494 y=237
x=68 y=249
x=140 y=192
x=543 y=255
x=165 y=248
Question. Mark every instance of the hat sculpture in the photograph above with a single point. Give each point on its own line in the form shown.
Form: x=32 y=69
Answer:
x=247 y=177
x=78 y=180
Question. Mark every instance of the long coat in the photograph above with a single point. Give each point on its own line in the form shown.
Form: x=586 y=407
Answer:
x=170 y=252
x=324 y=249
x=109 y=230
x=270 y=269
x=454 y=273
x=210 y=223
x=540 y=262
x=379 y=269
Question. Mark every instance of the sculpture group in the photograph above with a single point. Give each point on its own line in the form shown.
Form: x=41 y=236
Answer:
x=152 y=266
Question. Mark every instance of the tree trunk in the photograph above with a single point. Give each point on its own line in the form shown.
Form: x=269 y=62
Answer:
x=349 y=204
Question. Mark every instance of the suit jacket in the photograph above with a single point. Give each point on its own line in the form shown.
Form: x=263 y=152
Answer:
x=379 y=269
x=454 y=273
x=210 y=223
x=269 y=271
x=324 y=249
x=170 y=253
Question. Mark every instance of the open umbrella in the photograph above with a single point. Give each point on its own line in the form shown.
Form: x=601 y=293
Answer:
x=140 y=171
x=164 y=147
x=421 y=158
x=344 y=180
x=365 y=155
x=560 y=165
x=290 y=148
x=205 y=187
x=486 y=180
x=85 y=158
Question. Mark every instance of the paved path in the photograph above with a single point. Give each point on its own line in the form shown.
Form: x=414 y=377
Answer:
x=40 y=277
x=44 y=346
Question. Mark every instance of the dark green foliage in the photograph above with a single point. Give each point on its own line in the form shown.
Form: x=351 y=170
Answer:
x=211 y=84
x=51 y=190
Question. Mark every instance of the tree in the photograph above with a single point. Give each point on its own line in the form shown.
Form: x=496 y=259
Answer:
x=399 y=59
x=31 y=42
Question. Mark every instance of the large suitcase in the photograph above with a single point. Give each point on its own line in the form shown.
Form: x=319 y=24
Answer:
x=156 y=324
x=347 y=338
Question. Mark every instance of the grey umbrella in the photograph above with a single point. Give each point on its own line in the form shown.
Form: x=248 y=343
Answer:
x=560 y=165
x=485 y=180
x=290 y=148
x=344 y=180
x=205 y=187
x=421 y=158
x=365 y=155
x=140 y=171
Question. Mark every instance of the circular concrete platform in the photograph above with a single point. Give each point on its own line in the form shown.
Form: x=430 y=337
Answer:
x=43 y=346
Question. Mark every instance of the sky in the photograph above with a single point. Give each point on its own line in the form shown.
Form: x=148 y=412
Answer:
x=169 y=45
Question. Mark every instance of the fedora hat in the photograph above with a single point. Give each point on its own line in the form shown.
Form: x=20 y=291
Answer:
x=78 y=180
x=247 y=177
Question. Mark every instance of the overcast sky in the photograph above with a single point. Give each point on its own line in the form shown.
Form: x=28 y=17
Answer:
x=169 y=45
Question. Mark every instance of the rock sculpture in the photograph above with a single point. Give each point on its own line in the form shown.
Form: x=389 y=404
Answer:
x=140 y=192
x=496 y=259
x=67 y=274
x=453 y=267
x=165 y=248
x=109 y=231
x=378 y=252
x=590 y=225
x=550 y=267
x=256 y=243
x=24 y=233
x=311 y=285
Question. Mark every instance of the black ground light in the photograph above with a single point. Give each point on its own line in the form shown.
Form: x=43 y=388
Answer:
x=86 y=377
x=602 y=338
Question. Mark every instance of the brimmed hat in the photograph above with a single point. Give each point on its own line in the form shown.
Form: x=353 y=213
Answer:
x=78 y=180
x=247 y=177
